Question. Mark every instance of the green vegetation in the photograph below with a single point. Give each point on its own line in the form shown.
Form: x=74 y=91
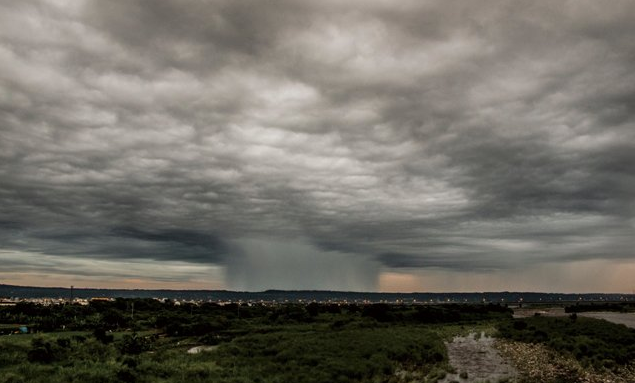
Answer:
x=296 y=353
x=595 y=343
x=108 y=342
x=143 y=340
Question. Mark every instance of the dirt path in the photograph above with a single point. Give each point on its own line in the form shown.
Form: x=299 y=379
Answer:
x=476 y=360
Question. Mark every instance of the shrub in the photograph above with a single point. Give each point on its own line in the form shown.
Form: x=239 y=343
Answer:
x=126 y=375
x=42 y=351
x=101 y=335
x=133 y=344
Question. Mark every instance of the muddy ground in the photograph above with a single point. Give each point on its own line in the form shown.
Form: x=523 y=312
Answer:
x=476 y=360
x=543 y=311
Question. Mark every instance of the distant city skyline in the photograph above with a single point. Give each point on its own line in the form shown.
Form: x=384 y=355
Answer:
x=408 y=146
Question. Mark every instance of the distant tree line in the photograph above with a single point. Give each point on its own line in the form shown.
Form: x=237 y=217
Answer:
x=622 y=307
x=189 y=319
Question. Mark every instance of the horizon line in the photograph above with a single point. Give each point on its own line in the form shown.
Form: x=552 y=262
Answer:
x=320 y=290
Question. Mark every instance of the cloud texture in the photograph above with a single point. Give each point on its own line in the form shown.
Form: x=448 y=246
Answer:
x=283 y=135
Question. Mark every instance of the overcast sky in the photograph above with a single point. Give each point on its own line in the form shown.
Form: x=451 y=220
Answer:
x=356 y=145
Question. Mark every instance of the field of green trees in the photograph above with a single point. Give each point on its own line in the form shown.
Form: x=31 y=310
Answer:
x=144 y=340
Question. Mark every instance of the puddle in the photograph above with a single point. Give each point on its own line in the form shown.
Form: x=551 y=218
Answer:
x=197 y=349
x=476 y=360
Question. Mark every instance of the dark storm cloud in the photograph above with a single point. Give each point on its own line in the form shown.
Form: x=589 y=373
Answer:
x=119 y=243
x=450 y=135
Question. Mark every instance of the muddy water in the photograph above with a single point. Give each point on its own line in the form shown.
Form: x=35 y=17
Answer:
x=627 y=319
x=476 y=356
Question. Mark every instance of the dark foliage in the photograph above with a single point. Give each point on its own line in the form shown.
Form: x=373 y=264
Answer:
x=134 y=344
x=449 y=313
x=102 y=335
x=596 y=307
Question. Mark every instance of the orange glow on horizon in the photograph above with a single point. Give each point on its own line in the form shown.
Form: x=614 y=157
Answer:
x=44 y=280
x=391 y=282
x=593 y=276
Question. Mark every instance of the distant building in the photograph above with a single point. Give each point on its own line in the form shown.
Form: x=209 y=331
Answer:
x=101 y=299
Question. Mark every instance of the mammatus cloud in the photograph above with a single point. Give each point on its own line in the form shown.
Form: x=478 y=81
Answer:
x=317 y=145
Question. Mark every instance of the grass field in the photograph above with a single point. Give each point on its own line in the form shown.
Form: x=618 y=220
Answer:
x=293 y=343
x=293 y=353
